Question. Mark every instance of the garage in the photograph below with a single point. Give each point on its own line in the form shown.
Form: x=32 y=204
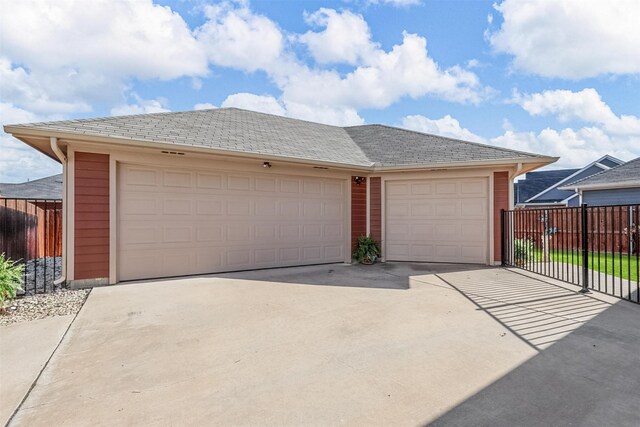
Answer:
x=174 y=222
x=437 y=220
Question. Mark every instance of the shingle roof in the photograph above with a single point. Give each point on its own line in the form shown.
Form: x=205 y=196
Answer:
x=626 y=173
x=264 y=134
x=535 y=182
x=44 y=188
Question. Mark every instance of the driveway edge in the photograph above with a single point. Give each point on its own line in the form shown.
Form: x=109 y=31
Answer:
x=35 y=381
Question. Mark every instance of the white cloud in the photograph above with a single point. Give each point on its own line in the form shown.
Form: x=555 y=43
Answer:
x=337 y=116
x=113 y=38
x=235 y=37
x=248 y=101
x=586 y=105
x=446 y=126
x=18 y=161
x=204 y=106
x=316 y=113
x=398 y=3
x=384 y=78
x=346 y=37
x=41 y=92
x=571 y=40
x=141 y=106
x=576 y=148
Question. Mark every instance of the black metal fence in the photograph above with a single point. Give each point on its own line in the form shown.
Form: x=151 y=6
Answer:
x=595 y=247
x=31 y=233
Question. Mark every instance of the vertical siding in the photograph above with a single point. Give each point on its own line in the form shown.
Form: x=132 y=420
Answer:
x=500 y=201
x=375 y=208
x=358 y=211
x=91 y=220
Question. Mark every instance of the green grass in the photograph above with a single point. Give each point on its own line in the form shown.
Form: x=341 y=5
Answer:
x=609 y=263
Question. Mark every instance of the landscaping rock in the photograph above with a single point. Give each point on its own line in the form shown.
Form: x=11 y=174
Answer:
x=58 y=303
x=41 y=273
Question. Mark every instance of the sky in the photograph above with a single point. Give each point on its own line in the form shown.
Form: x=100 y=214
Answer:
x=559 y=78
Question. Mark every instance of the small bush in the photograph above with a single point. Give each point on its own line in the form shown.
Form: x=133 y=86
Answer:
x=11 y=279
x=523 y=251
x=367 y=250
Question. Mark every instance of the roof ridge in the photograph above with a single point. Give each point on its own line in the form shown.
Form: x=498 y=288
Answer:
x=603 y=172
x=508 y=150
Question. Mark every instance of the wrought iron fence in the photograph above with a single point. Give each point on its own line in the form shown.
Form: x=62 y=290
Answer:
x=595 y=247
x=31 y=233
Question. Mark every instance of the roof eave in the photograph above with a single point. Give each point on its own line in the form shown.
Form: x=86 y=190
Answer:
x=532 y=163
x=603 y=186
x=24 y=132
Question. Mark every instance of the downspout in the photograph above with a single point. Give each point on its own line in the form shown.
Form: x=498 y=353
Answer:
x=511 y=178
x=63 y=160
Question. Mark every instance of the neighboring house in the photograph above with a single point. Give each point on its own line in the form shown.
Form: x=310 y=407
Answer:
x=542 y=189
x=174 y=194
x=616 y=186
x=43 y=188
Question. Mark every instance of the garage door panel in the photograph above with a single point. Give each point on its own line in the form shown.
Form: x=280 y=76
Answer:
x=446 y=209
x=265 y=185
x=209 y=207
x=473 y=208
x=473 y=188
x=438 y=220
x=209 y=181
x=138 y=177
x=215 y=221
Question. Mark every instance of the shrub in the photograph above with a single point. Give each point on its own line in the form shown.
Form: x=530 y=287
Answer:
x=522 y=251
x=367 y=250
x=11 y=279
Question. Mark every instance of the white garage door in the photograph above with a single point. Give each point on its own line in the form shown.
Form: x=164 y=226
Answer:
x=438 y=220
x=174 y=222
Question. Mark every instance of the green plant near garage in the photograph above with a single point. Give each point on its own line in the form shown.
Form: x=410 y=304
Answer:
x=11 y=279
x=367 y=250
x=523 y=251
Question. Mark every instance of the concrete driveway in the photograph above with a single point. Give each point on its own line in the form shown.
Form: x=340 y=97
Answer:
x=401 y=344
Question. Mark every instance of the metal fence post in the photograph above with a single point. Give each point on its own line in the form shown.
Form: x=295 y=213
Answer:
x=585 y=249
x=502 y=234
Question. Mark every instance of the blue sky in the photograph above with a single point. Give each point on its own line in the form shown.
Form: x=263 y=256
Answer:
x=559 y=78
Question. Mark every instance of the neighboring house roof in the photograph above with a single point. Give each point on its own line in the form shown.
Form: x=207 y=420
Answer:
x=44 y=188
x=625 y=175
x=558 y=193
x=538 y=181
x=232 y=130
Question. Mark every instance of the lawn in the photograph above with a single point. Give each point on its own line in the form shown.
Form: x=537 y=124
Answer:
x=608 y=264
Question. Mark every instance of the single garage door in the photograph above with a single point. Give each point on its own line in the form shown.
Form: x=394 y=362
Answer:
x=437 y=220
x=174 y=222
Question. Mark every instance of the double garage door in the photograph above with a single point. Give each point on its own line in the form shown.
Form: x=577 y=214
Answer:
x=437 y=220
x=174 y=222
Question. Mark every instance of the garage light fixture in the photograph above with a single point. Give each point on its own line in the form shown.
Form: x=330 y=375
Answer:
x=358 y=179
x=266 y=165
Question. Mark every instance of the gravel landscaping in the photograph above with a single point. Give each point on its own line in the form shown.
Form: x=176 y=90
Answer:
x=41 y=273
x=58 y=303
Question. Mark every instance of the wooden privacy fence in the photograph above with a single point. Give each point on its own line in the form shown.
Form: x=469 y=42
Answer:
x=31 y=233
x=611 y=228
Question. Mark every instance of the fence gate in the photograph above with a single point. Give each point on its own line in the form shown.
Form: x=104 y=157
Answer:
x=31 y=233
x=595 y=247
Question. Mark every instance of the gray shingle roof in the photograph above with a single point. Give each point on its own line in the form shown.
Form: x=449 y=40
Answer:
x=264 y=134
x=624 y=174
x=44 y=188
x=390 y=146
